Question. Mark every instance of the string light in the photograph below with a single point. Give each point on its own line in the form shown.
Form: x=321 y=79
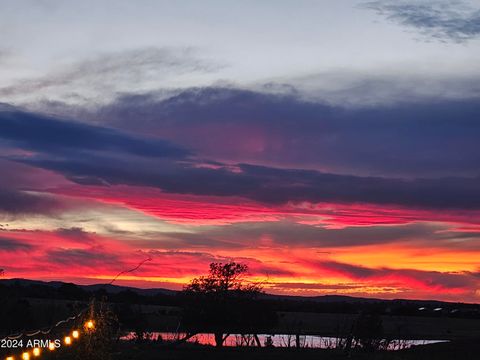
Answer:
x=89 y=324
x=44 y=332
x=75 y=334
x=68 y=340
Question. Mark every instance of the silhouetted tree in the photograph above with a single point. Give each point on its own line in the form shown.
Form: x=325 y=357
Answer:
x=223 y=302
x=368 y=332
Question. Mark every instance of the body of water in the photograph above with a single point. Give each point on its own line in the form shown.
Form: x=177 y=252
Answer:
x=277 y=340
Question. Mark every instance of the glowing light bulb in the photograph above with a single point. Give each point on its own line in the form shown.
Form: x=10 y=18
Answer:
x=75 y=334
x=89 y=324
x=10 y=358
x=68 y=340
x=51 y=346
x=36 y=352
x=26 y=356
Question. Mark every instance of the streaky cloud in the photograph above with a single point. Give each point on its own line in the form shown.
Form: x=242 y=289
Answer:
x=16 y=202
x=447 y=21
x=267 y=184
x=46 y=134
x=410 y=277
x=106 y=74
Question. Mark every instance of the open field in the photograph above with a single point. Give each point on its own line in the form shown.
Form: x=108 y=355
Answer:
x=166 y=319
x=163 y=319
x=398 y=327
x=141 y=315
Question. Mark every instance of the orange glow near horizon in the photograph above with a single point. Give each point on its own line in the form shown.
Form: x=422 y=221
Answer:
x=301 y=249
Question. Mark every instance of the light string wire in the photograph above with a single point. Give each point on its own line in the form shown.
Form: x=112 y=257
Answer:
x=48 y=330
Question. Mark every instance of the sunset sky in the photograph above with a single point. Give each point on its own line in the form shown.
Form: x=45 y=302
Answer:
x=333 y=146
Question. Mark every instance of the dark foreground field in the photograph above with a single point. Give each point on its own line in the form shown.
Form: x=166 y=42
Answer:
x=459 y=350
x=33 y=305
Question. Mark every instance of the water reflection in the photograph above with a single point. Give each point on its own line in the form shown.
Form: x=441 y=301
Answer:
x=277 y=340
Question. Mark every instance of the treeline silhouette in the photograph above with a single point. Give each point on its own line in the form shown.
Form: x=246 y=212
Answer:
x=16 y=298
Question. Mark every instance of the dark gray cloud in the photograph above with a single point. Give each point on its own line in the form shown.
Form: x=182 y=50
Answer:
x=281 y=233
x=76 y=234
x=452 y=21
x=7 y=244
x=441 y=139
x=16 y=202
x=45 y=134
x=92 y=257
x=267 y=184
x=433 y=138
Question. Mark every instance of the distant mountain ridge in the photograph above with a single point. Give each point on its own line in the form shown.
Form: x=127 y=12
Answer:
x=112 y=289
x=115 y=289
